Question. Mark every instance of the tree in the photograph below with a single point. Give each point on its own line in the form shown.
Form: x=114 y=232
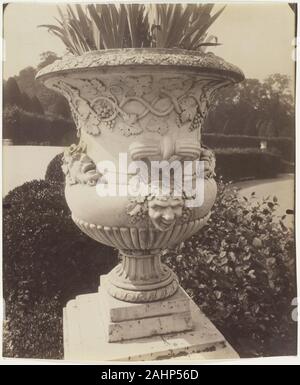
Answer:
x=36 y=106
x=26 y=81
x=47 y=58
x=12 y=94
x=61 y=108
x=26 y=102
x=11 y=123
x=254 y=108
x=278 y=105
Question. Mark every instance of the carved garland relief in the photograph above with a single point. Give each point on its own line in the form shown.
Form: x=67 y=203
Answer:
x=96 y=106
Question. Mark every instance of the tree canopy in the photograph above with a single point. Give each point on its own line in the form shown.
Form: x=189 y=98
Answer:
x=254 y=108
x=12 y=93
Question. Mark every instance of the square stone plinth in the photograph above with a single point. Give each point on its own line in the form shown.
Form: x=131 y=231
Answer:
x=85 y=337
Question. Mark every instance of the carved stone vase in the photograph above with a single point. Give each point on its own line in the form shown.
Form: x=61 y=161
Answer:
x=149 y=104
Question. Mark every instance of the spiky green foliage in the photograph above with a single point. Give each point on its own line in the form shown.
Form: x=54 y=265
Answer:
x=105 y=26
x=182 y=26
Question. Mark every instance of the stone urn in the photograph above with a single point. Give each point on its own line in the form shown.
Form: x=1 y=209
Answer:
x=148 y=105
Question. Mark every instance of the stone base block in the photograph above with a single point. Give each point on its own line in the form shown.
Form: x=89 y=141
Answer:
x=126 y=320
x=142 y=326
x=147 y=327
x=85 y=337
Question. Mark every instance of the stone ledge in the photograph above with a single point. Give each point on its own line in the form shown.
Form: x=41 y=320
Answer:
x=205 y=62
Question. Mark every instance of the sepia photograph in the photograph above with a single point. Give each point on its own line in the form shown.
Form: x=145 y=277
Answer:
x=148 y=182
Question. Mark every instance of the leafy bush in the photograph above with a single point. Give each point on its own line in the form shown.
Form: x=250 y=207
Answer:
x=54 y=171
x=241 y=271
x=284 y=145
x=242 y=163
x=26 y=127
x=47 y=260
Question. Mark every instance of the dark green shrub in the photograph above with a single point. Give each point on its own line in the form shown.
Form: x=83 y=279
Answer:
x=54 y=171
x=241 y=163
x=47 y=260
x=240 y=270
x=284 y=145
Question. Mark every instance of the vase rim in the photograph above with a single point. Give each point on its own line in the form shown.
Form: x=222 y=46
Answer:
x=142 y=57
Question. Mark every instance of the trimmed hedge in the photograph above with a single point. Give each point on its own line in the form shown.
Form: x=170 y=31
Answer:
x=287 y=167
x=233 y=164
x=54 y=172
x=47 y=260
x=35 y=330
x=284 y=145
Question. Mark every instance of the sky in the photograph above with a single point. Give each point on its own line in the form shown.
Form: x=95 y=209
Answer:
x=258 y=38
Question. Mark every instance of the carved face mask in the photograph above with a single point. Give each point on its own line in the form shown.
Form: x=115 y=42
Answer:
x=83 y=170
x=163 y=211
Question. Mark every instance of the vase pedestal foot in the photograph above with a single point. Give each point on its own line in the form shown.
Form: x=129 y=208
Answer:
x=141 y=278
x=93 y=321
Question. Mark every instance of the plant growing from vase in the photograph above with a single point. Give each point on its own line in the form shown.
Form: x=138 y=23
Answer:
x=138 y=82
x=103 y=26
